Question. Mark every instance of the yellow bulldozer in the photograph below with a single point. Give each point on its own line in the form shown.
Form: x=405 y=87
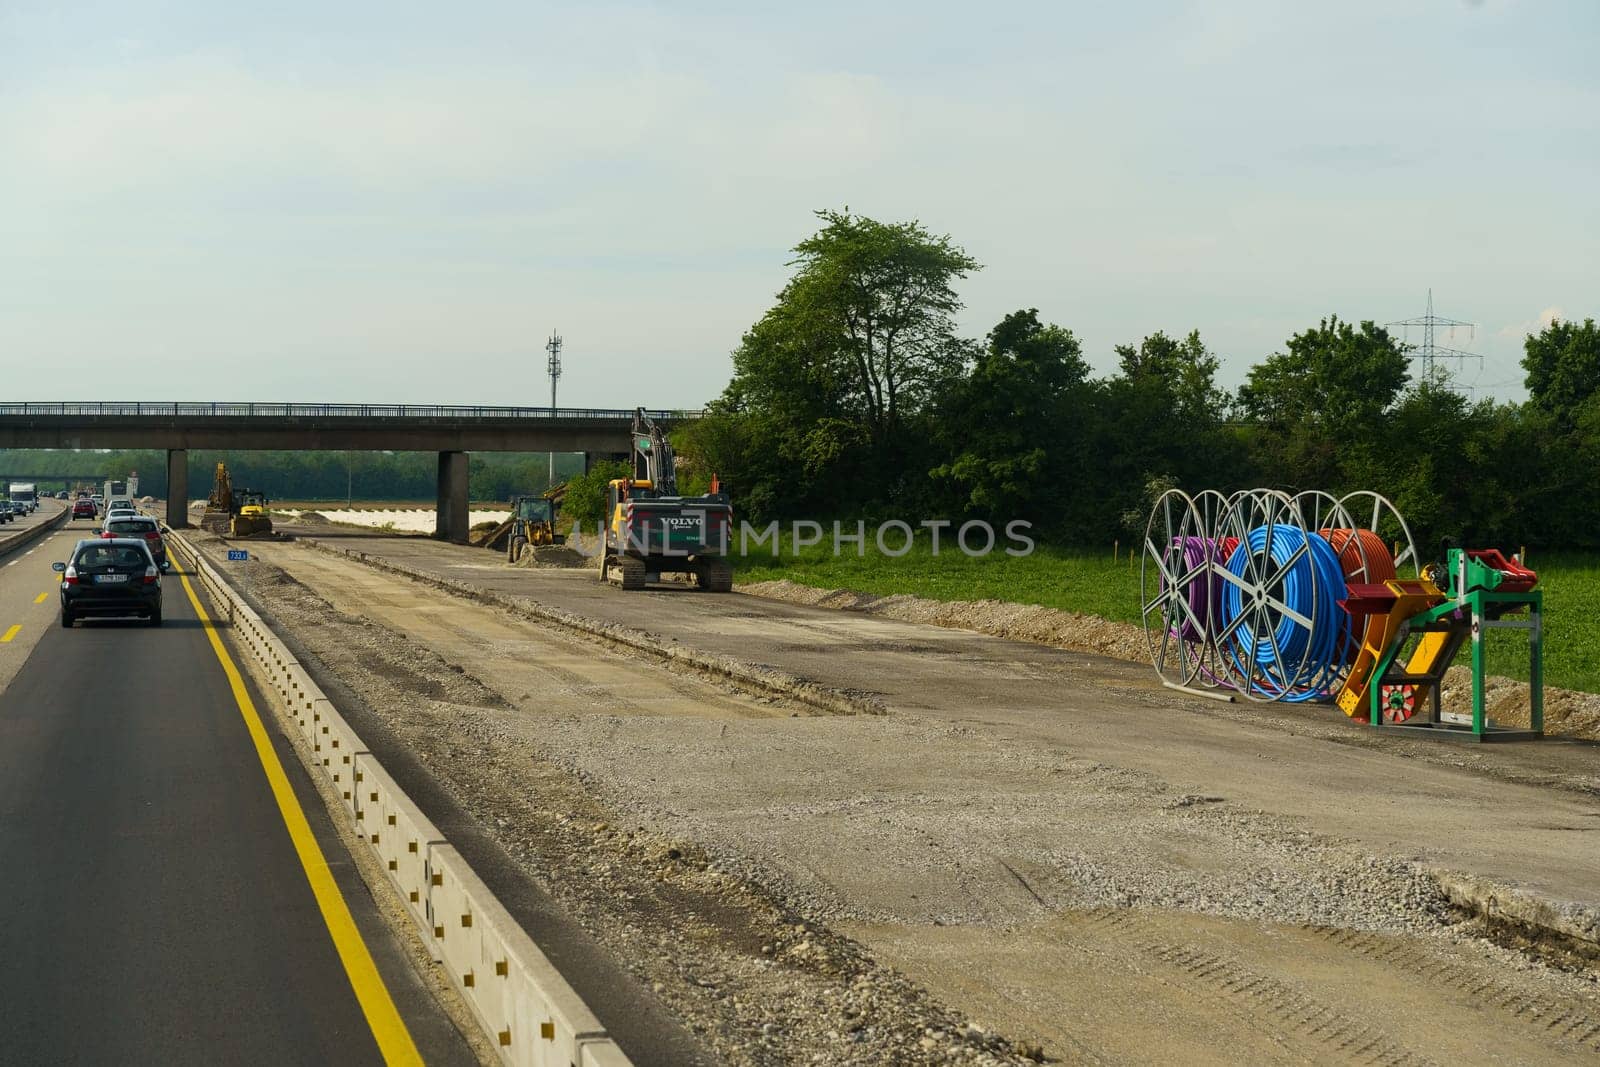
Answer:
x=251 y=516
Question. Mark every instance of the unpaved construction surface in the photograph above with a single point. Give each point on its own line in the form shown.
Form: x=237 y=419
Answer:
x=1048 y=845
x=1566 y=711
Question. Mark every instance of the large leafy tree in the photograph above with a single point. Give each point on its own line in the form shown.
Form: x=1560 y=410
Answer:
x=1013 y=426
x=1160 y=420
x=859 y=342
x=1335 y=376
x=1183 y=371
x=877 y=301
x=1317 y=406
x=1563 y=367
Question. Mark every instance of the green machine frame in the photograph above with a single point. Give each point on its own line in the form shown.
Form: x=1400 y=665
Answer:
x=1463 y=617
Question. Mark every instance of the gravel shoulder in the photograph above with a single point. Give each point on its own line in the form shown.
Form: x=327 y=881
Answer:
x=1026 y=829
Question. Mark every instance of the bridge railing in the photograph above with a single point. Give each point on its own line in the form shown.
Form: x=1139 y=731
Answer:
x=320 y=411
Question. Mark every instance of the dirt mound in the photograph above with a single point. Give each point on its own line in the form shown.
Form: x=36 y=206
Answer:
x=557 y=556
x=998 y=618
x=1566 y=711
x=312 y=518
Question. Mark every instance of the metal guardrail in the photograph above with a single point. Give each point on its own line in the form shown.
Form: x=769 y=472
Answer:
x=334 y=411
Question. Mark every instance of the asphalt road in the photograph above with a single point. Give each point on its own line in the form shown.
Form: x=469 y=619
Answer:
x=157 y=908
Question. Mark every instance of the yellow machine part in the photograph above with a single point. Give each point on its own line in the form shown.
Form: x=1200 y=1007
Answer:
x=244 y=524
x=616 y=513
x=1412 y=596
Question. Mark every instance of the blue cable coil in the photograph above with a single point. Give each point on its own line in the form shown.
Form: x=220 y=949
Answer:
x=1308 y=661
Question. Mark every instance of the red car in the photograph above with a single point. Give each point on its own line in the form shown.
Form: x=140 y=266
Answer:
x=83 y=508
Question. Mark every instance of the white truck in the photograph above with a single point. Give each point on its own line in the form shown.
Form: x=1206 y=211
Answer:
x=24 y=493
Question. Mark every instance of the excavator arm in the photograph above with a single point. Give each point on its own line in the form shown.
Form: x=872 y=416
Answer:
x=652 y=455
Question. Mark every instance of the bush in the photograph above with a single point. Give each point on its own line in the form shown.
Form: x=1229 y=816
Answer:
x=585 y=501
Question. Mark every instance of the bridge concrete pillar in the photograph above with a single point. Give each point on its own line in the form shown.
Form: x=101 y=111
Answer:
x=450 y=522
x=177 y=487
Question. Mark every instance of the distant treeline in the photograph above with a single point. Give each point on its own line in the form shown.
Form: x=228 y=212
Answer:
x=314 y=476
x=855 y=397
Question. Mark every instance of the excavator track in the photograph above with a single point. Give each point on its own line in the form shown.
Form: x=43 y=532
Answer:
x=715 y=576
x=627 y=572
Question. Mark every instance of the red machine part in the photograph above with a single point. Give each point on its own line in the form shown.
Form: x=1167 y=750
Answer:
x=1399 y=703
x=1515 y=577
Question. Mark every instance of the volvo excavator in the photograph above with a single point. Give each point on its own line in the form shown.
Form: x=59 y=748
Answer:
x=651 y=530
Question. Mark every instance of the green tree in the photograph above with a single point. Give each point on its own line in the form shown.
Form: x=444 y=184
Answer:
x=827 y=383
x=1184 y=371
x=880 y=298
x=1563 y=367
x=1315 y=407
x=1012 y=425
x=585 y=500
x=1335 y=377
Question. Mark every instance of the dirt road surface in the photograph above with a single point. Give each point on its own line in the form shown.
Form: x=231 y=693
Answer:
x=1047 y=843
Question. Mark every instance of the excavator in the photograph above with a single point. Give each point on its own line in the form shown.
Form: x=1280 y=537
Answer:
x=651 y=530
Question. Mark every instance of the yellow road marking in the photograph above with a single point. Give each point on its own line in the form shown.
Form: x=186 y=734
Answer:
x=389 y=1030
x=11 y=633
x=41 y=598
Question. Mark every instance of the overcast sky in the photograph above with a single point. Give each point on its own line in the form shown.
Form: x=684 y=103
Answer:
x=396 y=202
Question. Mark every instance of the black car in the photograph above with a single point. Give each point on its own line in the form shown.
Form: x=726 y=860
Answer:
x=108 y=577
x=6 y=513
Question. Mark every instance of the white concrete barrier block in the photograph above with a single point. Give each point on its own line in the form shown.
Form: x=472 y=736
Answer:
x=404 y=839
x=533 y=1016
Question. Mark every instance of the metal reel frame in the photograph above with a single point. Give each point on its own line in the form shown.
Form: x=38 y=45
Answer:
x=1165 y=579
x=1366 y=510
x=1211 y=509
x=1261 y=595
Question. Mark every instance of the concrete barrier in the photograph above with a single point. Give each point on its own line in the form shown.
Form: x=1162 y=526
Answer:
x=26 y=537
x=530 y=1014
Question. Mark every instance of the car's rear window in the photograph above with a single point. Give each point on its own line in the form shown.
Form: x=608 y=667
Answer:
x=111 y=556
x=132 y=526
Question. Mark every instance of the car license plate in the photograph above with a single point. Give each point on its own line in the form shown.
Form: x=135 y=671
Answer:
x=109 y=579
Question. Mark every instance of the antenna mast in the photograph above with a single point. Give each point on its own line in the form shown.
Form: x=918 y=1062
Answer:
x=553 y=346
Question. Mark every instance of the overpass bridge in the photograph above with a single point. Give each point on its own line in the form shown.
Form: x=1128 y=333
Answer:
x=453 y=431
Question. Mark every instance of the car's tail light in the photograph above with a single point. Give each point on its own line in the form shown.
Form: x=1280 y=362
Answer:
x=71 y=577
x=152 y=535
x=151 y=574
